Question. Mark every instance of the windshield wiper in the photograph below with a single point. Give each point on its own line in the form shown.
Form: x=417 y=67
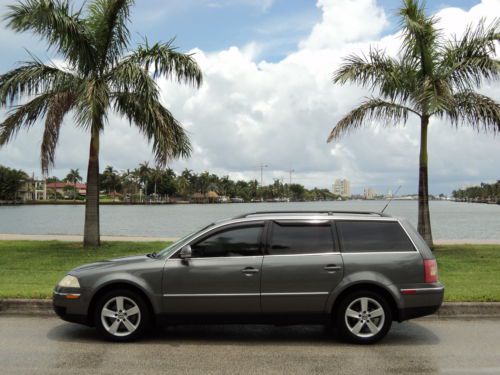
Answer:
x=152 y=255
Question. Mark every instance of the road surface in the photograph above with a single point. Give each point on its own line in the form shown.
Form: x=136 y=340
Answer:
x=50 y=346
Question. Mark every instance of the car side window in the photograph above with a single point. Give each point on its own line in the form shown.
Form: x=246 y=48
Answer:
x=240 y=241
x=372 y=236
x=301 y=238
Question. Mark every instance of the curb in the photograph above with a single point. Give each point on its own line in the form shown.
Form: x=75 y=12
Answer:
x=459 y=310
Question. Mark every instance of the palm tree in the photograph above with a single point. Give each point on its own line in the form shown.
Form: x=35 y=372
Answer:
x=110 y=179
x=430 y=77
x=144 y=173
x=101 y=74
x=74 y=177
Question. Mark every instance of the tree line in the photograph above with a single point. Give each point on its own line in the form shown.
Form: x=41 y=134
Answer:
x=150 y=184
x=482 y=192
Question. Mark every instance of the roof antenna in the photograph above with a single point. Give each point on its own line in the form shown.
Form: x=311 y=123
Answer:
x=390 y=200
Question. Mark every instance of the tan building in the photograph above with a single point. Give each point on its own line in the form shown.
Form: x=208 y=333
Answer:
x=33 y=190
x=342 y=187
x=370 y=193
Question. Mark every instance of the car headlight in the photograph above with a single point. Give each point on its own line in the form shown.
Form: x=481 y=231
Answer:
x=69 y=281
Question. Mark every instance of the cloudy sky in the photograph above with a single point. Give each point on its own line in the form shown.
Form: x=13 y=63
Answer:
x=268 y=96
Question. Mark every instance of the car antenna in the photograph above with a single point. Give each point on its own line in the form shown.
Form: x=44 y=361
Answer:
x=390 y=200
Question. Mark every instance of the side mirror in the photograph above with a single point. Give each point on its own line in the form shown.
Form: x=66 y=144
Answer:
x=186 y=252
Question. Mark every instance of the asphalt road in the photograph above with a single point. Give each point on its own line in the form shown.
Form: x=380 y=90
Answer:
x=50 y=346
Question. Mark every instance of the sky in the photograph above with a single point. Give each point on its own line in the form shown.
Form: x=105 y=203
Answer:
x=268 y=98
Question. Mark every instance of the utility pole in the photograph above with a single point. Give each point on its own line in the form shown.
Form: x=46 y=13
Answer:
x=262 y=166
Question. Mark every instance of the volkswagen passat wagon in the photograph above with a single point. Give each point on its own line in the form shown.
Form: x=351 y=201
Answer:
x=355 y=271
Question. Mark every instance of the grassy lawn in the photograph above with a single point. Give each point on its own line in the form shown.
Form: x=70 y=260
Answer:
x=30 y=269
x=470 y=272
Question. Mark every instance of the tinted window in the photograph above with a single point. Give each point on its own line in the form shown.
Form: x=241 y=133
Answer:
x=299 y=238
x=371 y=236
x=228 y=243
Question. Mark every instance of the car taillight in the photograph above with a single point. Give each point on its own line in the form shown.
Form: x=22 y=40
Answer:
x=430 y=270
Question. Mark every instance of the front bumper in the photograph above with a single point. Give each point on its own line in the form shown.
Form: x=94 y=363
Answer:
x=74 y=310
x=421 y=301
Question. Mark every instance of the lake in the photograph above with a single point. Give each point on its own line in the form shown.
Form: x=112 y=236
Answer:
x=450 y=220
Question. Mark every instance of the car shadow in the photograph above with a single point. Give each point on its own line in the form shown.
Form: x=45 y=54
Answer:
x=406 y=333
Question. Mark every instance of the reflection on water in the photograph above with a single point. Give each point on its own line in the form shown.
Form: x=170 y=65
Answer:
x=450 y=220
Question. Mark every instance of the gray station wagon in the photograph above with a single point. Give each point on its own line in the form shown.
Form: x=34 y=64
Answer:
x=354 y=271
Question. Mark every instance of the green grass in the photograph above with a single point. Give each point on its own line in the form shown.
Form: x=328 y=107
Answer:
x=470 y=272
x=30 y=269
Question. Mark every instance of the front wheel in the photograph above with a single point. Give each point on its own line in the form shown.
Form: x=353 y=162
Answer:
x=121 y=315
x=363 y=317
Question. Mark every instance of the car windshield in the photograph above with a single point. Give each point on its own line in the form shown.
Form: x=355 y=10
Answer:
x=175 y=245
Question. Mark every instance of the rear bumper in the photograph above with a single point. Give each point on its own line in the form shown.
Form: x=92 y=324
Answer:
x=418 y=302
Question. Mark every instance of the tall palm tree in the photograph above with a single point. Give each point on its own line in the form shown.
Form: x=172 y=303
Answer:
x=101 y=75
x=74 y=177
x=430 y=77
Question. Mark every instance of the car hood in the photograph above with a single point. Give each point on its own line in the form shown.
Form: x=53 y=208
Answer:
x=111 y=263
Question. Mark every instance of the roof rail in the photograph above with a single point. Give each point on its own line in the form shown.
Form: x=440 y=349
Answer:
x=328 y=212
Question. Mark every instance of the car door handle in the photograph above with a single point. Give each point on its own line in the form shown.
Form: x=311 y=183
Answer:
x=331 y=268
x=249 y=271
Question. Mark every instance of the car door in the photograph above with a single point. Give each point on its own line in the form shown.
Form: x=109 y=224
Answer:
x=301 y=267
x=222 y=276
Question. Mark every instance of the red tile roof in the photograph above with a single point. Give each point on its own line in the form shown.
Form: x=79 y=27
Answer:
x=61 y=185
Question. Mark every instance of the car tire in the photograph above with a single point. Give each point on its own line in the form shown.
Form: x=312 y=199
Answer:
x=363 y=317
x=122 y=315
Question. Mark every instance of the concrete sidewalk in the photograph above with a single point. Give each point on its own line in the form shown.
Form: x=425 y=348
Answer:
x=463 y=310
x=79 y=238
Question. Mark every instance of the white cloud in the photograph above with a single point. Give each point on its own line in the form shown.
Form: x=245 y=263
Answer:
x=249 y=112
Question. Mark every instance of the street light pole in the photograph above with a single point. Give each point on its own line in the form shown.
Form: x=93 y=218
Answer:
x=262 y=166
x=290 y=172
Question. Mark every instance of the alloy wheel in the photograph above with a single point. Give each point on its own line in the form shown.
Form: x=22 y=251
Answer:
x=364 y=317
x=120 y=316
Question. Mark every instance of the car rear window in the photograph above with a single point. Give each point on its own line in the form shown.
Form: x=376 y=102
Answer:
x=301 y=238
x=372 y=236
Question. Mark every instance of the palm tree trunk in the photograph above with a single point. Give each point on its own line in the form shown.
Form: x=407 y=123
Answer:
x=91 y=236
x=424 y=218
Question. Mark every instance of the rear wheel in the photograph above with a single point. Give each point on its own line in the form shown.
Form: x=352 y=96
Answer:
x=363 y=317
x=121 y=315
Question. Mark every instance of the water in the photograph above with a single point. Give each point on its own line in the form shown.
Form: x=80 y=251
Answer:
x=450 y=220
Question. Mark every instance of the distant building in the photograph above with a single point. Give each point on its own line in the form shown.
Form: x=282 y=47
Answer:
x=370 y=193
x=342 y=187
x=58 y=187
x=33 y=189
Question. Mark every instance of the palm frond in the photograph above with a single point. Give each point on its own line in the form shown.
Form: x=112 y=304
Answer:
x=107 y=22
x=169 y=140
x=472 y=58
x=475 y=110
x=33 y=78
x=395 y=79
x=165 y=60
x=92 y=103
x=419 y=35
x=59 y=105
x=24 y=116
x=62 y=28
x=372 y=109
x=129 y=76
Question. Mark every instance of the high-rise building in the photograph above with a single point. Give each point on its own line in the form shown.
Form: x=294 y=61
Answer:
x=342 y=187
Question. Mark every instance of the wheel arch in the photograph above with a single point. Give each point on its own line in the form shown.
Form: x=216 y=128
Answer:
x=118 y=285
x=372 y=287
